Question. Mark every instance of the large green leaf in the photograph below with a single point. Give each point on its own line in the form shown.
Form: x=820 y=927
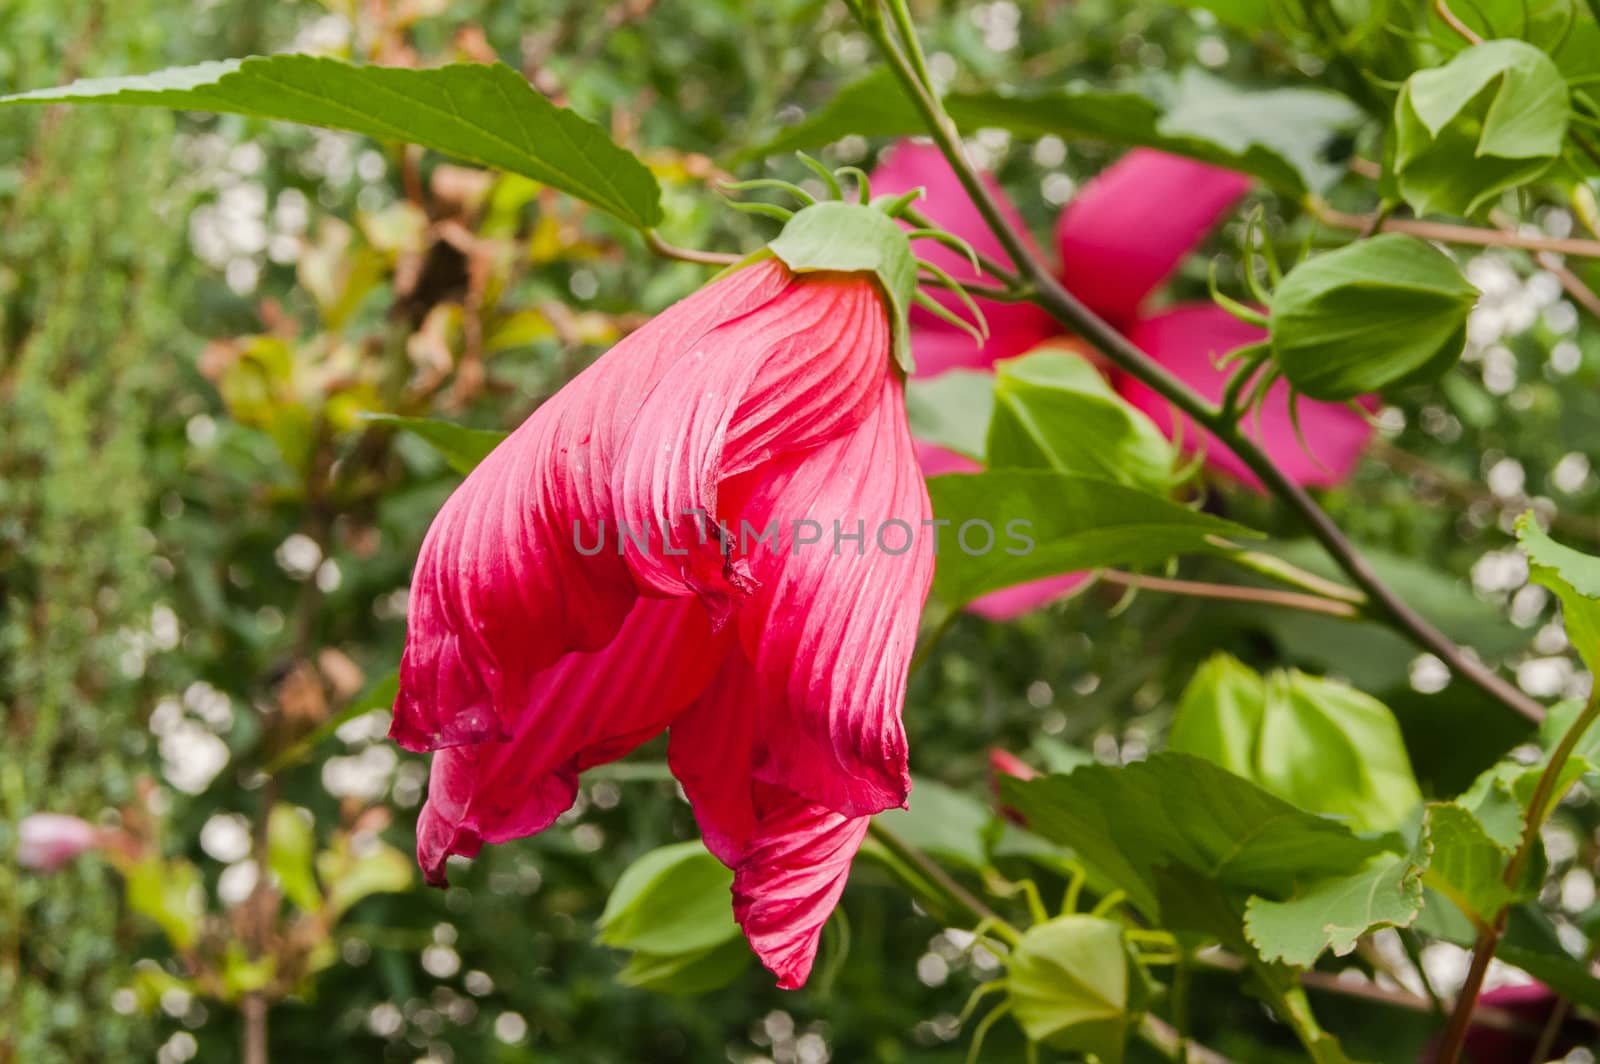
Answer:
x=1043 y=523
x=1283 y=136
x=947 y=824
x=486 y=114
x=1335 y=913
x=952 y=410
x=1176 y=810
x=1322 y=745
x=674 y=900
x=1053 y=410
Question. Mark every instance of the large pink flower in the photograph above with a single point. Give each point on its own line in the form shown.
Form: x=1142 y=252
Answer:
x=718 y=527
x=1118 y=241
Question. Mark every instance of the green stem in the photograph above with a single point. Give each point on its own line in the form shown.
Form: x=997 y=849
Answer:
x=1071 y=312
x=954 y=894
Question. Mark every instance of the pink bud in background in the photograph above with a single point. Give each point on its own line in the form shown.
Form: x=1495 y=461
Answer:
x=48 y=841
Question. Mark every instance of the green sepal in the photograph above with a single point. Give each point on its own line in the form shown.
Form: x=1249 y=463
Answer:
x=850 y=238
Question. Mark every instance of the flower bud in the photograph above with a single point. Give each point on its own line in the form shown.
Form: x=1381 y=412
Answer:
x=1368 y=315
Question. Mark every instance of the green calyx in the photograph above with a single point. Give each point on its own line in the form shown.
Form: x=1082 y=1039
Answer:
x=835 y=236
x=851 y=238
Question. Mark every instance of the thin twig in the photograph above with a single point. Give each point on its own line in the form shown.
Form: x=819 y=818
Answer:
x=1551 y=262
x=1165 y=1039
x=1449 y=233
x=1293 y=600
x=671 y=251
x=959 y=896
x=1070 y=311
x=1466 y=32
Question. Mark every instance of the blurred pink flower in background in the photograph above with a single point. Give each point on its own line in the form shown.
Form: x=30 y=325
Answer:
x=47 y=842
x=1117 y=241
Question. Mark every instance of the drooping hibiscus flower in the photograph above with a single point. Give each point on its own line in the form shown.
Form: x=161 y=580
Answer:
x=1117 y=242
x=719 y=527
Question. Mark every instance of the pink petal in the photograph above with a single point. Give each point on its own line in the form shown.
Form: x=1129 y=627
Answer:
x=936 y=460
x=1185 y=340
x=47 y=842
x=832 y=626
x=935 y=344
x=790 y=856
x=501 y=588
x=587 y=709
x=1012 y=602
x=790 y=879
x=804 y=369
x=1130 y=227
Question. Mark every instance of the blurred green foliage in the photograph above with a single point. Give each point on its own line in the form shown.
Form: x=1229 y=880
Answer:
x=204 y=546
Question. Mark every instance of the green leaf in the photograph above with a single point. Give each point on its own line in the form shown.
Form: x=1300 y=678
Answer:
x=1566 y=30
x=486 y=114
x=1467 y=865
x=673 y=900
x=290 y=846
x=171 y=894
x=1044 y=523
x=1491 y=119
x=686 y=974
x=1175 y=809
x=1283 y=136
x=1251 y=16
x=1053 y=410
x=852 y=238
x=1335 y=913
x=1373 y=313
x=350 y=877
x=948 y=825
x=1072 y=986
x=462 y=447
x=952 y=410
x=1575 y=579
x=1322 y=745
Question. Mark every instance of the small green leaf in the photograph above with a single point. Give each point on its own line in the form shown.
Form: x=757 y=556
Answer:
x=290 y=846
x=1491 y=119
x=1335 y=913
x=1322 y=745
x=1575 y=579
x=1379 y=311
x=853 y=238
x=482 y=113
x=1043 y=523
x=687 y=974
x=462 y=447
x=1053 y=410
x=350 y=877
x=1175 y=809
x=1467 y=866
x=169 y=893
x=674 y=900
x=952 y=410
x=1072 y=986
